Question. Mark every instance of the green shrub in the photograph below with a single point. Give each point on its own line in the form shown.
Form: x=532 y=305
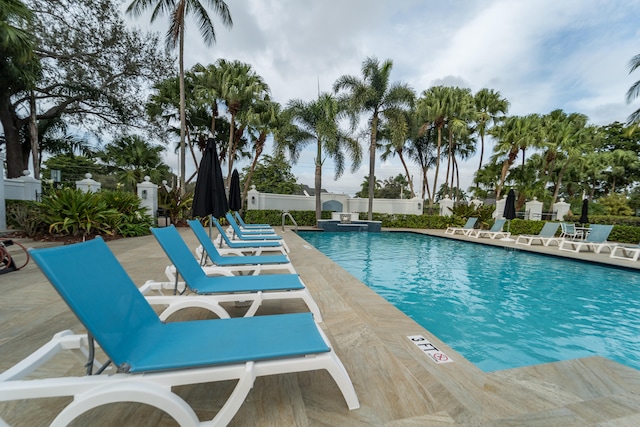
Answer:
x=24 y=215
x=132 y=219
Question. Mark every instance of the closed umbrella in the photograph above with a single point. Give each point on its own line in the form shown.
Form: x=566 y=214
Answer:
x=235 y=199
x=210 y=198
x=510 y=210
x=584 y=218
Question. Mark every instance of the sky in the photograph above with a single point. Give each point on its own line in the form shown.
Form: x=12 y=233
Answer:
x=541 y=55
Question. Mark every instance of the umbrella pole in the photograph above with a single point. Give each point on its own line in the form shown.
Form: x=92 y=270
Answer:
x=210 y=227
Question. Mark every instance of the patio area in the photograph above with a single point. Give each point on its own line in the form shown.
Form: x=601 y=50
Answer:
x=397 y=384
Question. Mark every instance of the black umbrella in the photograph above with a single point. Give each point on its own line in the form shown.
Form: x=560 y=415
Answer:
x=584 y=218
x=510 y=205
x=235 y=199
x=209 y=197
x=510 y=209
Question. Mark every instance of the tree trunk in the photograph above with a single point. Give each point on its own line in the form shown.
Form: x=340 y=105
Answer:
x=435 y=178
x=406 y=170
x=318 y=181
x=232 y=133
x=259 y=148
x=372 y=163
x=183 y=113
x=13 y=146
x=33 y=136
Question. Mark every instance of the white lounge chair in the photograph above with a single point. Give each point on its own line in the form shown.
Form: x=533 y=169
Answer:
x=494 y=232
x=151 y=357
x=596 y=241
x=255 y=247
x=545 y=237
x=211 y=291
x=465 y=229
x=630 y=253
x=207 y=251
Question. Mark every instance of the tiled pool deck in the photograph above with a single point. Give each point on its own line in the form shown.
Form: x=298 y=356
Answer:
x=396 y=383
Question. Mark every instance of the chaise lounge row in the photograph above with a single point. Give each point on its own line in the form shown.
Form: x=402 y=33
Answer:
x=147 y=356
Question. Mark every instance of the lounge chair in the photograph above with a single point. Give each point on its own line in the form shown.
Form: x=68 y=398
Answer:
x=253 y=264
x=596 y=241
x=466 y=229
x=545 y=237
x=253 y=247
x=248 y=234
x=151 y=357
x=221 y=288
x=250 y=226
x=629 y=253
x=569 y=231
x=494 y=232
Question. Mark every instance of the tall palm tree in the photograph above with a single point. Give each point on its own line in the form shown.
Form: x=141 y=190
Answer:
x=490 y=109
x=382 y=100
x=178 y=11
x=633 y=92
x=397 y=140
x=317 y=122
x=433 y=109
x=240 y=87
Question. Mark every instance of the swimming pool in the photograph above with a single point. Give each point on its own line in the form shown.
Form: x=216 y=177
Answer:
x=500 y=309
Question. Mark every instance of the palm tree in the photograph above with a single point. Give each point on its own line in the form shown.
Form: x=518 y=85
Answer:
x=382 y=100
x=398 y=139
x=633 y=92
x=433 y=109
x=132 y=158
x=317 y=122
x=490 y=109
x=178 y=11
x=240 y=87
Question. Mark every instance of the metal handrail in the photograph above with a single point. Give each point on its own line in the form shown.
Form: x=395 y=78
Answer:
x=287 y=214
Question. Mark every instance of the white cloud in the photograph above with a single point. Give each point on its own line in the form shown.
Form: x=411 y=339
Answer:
x=540 y=54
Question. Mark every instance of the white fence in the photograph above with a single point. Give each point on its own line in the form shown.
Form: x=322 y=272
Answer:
x=331 y=202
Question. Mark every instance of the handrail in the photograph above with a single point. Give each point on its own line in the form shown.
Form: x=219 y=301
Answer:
x=287 y=214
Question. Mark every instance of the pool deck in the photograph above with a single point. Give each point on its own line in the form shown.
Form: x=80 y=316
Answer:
x=397 y=384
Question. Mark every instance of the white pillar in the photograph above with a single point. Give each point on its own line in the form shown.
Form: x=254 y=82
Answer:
x=88 y=185
x=561 y=208
x=446 y=205
x=534 y=209
x=253 y=198
x=148 y=194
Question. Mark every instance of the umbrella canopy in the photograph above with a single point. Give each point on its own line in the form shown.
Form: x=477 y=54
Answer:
x=584 y=218
x=510 y=205
x=210 y=197
x=235 y=199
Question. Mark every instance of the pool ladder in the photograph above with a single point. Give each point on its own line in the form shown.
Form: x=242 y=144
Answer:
x=287 y=214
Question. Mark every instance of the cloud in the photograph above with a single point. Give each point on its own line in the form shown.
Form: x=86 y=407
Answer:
x=540 y=54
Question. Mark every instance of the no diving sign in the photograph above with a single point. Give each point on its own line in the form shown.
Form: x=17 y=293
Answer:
x=429 y=349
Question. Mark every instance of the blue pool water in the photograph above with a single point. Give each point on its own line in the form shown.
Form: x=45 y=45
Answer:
x=500 y=309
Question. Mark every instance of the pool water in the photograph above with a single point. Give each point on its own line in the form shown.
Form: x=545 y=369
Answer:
x=500 y=309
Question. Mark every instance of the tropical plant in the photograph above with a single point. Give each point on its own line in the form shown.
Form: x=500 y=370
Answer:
x=615 y=204
x=490 y=108
x=178 y=11
x=273 y=175
x=131 y=159
x=316 y=122
x=381 y=100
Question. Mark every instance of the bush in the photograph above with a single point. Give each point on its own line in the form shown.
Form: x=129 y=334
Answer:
x=71 y=212
x=24 y=215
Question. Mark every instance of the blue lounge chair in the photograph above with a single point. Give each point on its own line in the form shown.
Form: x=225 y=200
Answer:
x=494 y=232
x=152 y=357
x=250 y=235
x=256 y=247
x=250 y=226
x=465 y=229
x=225 y=289
x=254 y=264
x=545 y=237
x=595 y=241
